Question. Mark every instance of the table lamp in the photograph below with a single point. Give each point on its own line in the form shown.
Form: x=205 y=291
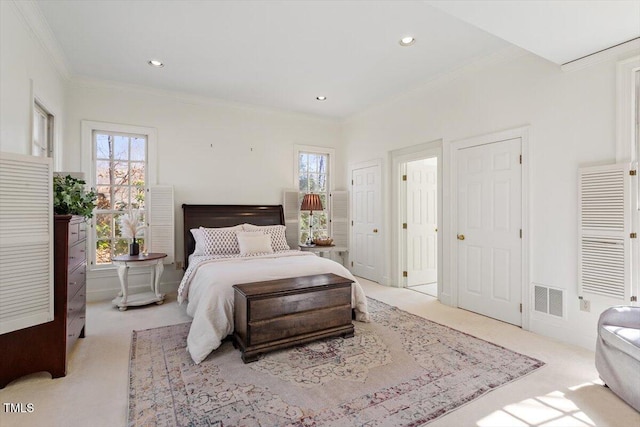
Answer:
x=311 y=202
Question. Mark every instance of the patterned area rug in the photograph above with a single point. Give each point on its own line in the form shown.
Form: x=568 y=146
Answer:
x=398 y=370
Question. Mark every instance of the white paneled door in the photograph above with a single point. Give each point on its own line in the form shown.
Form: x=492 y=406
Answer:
x=365 y=242
x=422 y=221
x=489 y=218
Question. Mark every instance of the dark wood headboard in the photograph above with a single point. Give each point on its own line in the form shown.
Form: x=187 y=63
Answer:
x=213 y=216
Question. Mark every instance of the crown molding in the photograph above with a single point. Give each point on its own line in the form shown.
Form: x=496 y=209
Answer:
x=618 y=52
x=83 y=82
x=36 y=22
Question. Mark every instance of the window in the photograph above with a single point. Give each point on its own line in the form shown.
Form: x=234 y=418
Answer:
x=314 y=176
x=42 y=141
x=119 y=164
x=120 y=179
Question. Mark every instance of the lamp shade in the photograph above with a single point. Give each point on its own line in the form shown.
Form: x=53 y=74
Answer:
x=311 y=202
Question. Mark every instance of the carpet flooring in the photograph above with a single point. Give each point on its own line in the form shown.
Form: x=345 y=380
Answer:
x=398 y=370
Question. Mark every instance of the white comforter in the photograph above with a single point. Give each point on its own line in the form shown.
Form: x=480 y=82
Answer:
x=207 y=285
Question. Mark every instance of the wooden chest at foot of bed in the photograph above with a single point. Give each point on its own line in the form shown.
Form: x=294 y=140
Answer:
x=281 y=313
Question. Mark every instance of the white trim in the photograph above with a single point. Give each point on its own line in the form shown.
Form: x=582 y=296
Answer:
x=56 y=147
x=626 y=147
x=42 y=33
x=399 y=158
x=83 y=82
x=626 y=110
x=453 y=147
x=602 y=56
x=88 y=165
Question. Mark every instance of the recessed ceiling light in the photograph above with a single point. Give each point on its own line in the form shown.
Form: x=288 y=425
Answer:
x=321 y=98
x=407 y=41
x=156 y=63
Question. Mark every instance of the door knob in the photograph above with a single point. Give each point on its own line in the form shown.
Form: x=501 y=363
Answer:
x=375 y=230
x=460 y=236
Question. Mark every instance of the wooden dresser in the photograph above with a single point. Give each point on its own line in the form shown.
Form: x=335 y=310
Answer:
x=46 y=347
x=74 y=277
x=281 y=313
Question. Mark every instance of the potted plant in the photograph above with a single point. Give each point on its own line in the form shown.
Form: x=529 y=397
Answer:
x=71 y=198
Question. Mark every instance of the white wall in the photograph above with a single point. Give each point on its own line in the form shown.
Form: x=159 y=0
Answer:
x=27 y=71
x=572 y=123
x=211 y=152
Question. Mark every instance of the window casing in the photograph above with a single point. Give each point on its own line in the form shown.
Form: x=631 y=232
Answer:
x=42 y=136
x=314 y=174
x=119 y=164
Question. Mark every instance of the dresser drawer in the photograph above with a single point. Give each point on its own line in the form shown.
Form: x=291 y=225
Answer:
x=74 y=232
x=297 y=324
x=77 y=304
x=74 y=329
x=76 y=281
x=77 y=254
x=267 y=308
x=82 y=230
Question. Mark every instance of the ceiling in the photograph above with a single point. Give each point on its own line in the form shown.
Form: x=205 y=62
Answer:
x=282 y=54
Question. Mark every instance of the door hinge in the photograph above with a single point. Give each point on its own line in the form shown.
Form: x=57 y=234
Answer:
x=351 y=263
x=634 y=298
x=633 y=235
x=520 y=307
x=521 y=233
x=520 y=158
x=404 y=177
x=404 y=274
x=404 y=225
x=351 y=182
x=632 y=172
x=352 y=223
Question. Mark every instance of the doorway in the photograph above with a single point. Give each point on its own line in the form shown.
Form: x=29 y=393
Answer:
x=421 y=177
x=417 y=188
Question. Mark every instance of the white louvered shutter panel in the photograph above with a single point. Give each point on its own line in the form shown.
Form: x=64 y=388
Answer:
x=291 y=206
x=604 y=248
x=340 y=218
x=160 y=222
x=26 y=241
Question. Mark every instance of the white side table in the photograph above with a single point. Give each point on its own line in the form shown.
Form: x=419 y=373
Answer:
x=323 y=250
x=123 y=262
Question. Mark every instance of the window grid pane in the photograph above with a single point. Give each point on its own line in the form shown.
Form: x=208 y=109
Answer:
x=313 y=177
x=120 y=178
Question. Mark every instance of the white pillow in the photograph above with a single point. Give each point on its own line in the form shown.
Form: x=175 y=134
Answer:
x=197 y=236
x=254 y=243
x=217 y=241
x=277 y=233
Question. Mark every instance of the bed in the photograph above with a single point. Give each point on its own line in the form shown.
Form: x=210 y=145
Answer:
x=227 y=245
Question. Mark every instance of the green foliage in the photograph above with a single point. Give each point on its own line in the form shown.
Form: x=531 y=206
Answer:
x=70 y=197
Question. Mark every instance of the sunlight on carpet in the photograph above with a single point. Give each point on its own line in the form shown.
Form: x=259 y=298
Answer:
x=398 y=370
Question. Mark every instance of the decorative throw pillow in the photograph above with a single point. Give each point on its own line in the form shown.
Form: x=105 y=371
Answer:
x=219 y=241
x=277 y=233
x=252 y=243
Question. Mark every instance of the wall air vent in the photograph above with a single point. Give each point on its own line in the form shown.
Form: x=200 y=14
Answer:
x=548 y=300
